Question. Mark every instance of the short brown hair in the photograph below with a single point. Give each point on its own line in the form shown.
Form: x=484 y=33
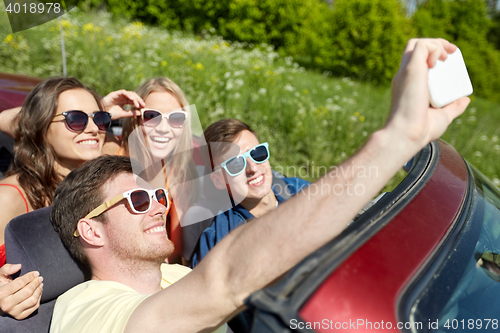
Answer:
x=79 y=193
x=224 y=130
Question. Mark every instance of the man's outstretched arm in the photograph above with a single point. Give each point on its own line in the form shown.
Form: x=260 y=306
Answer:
x=255 y=254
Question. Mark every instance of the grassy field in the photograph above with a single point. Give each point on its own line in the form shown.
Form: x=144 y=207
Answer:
x=311 y=120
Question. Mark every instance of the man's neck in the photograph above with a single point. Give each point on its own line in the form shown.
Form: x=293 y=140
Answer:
x=144 y=278
x=259 y=207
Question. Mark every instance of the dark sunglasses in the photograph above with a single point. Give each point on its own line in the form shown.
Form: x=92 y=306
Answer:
x=153 y=118
x=139 y=201
x=77 y=120
x=235 y=165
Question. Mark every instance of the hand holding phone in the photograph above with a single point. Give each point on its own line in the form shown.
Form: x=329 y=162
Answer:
x=448 y=80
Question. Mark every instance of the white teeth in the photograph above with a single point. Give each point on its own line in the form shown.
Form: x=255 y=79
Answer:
x=256 y=180
x=88 y=142
x=155 y=229
x=160 y=139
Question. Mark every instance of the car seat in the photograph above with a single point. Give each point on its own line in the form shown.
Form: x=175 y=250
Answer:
x=6 y=153
x=31 y=241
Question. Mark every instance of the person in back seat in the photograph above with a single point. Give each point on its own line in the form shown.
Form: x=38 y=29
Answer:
x=49 y=144
x=60 y=125
x=241 y=167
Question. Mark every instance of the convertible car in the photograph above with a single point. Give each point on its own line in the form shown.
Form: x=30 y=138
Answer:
x=424 y=258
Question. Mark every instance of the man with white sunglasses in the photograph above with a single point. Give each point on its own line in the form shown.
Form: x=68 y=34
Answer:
x=241 y=167
x=125 y=249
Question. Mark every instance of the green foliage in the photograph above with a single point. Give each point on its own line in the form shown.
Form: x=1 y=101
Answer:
x=465 y=23
x=311 y=121
x=363 y=39
x=494 y=33
x=359 y=38
x=276 y=22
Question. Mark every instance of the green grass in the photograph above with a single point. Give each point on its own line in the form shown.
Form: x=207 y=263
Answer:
x=310 y=120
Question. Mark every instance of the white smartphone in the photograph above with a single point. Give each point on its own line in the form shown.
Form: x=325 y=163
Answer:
x=448 y=80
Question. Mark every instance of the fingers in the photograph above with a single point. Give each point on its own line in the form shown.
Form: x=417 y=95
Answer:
x=442 y=117
x=20 y=297
x=456 y=108
x=136 y=99
x=122 y=97
x=29 y=305
x=410 y=115
x=430 y=49
x=12 y=287
x=9 y=269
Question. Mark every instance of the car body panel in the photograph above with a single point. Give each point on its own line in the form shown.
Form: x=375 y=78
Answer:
x=401 y=248
x=367 y=282
x=14 y=88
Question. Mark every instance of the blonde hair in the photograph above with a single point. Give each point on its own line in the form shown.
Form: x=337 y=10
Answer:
x=181 y=164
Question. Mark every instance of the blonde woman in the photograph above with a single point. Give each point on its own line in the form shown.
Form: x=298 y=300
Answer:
x=162 y=140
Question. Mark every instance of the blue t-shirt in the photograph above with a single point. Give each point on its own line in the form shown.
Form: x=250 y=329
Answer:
x=227 y=221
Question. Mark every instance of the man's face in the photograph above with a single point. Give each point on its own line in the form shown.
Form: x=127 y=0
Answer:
x=131 y=236
x=254 y=183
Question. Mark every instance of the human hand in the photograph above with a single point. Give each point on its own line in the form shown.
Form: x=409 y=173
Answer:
x=8 y=121
x=412 y=119
x=21 y=296
x=114 y=102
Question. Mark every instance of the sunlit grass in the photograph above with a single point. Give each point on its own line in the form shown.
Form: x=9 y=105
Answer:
x=310 y=120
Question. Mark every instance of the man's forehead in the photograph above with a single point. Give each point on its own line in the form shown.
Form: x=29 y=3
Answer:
x=225 y=150
x=141 y=183
x=124 y=182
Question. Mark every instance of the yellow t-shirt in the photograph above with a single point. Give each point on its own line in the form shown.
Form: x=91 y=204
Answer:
x=105 y=306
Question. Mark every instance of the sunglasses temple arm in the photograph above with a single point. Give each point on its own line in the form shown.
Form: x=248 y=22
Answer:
x=102 y=208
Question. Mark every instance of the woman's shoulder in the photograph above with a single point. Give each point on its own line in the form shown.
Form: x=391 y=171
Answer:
x=11 y=194
x=10 y=182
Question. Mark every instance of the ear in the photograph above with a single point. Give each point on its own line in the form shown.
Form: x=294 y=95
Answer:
x=218 y=180
x=91 y=231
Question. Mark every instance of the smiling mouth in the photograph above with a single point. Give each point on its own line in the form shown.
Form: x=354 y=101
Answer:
x=256 y=180
x=160 y=139
x=90 y=142
x=155 y=230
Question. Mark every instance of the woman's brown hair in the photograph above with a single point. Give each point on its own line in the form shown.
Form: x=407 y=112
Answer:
x=34 y=157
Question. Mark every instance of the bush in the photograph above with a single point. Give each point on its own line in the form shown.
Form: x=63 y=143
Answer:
x=359 y=38
x=465 y=23
x=276 y=22
x=364 y=39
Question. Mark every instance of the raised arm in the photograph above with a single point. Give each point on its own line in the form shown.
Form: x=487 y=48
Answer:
x=255 y=254
x=114 y=102
x=7 y=121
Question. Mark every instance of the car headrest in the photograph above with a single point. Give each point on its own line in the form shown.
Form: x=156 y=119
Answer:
x=31 y=240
